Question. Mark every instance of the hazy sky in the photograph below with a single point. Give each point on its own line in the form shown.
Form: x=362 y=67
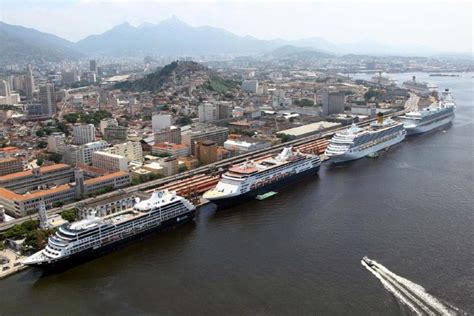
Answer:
x=442 y=25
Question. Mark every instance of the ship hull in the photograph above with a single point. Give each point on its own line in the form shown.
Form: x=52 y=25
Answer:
x=423 y=128
x=250 y=195
x=350 y=156
x=89 y=254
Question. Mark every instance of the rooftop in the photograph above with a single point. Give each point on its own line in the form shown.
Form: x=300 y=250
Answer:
x=29 y=173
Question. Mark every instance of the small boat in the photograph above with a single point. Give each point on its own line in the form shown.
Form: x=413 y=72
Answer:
x=264 y=196
x=373 y=155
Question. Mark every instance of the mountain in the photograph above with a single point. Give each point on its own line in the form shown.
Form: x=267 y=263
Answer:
x=180 y=73
x=171 y=37
x=293 y=52
x=21 y=44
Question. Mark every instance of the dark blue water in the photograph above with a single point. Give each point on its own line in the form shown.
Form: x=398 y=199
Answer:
x=299 y=252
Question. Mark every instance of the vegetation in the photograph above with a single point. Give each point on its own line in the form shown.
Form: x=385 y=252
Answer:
x=100 y=191
x=304 y=102
x=58 y=204
x=145 y=178
x=219 y=85
x=42 y=144
x=20 y=231
x=36 y=239
x=183 y=120
x=40 y=161
x=372 y=93
x=87 y=118
x=182 y=168
x=55 y=157
x=284 y=137
x=69 y=215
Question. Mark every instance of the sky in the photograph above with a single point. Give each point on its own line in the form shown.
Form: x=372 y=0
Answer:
x=440 y=25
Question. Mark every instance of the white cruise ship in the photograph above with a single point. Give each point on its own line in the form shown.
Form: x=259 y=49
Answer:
x=384 y=80
x=95 y=235
x=419 y=87
x=356 y=142
x=436 y=115
x=251 y=178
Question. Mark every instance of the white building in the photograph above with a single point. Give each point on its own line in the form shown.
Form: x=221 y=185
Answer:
x=241 y=146
x=160 y=121
x=250 y=86
x=83 y=154
x=56 y=142
x=106 y=123
x=209 y=112
x=5 y=88
x=110 y=162
x=83 y=134
x=130 y=150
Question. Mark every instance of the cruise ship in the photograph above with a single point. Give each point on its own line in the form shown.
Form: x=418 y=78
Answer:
x=384 y=80
x=421 y=88
x=436 y=115
x=77 y=241
x=356 y=142
x=251 y=178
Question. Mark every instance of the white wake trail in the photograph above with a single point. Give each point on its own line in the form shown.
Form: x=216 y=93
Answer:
x=393 y=290
x=408 y=292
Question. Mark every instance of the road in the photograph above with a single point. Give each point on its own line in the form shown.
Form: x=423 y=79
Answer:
x=412 y=103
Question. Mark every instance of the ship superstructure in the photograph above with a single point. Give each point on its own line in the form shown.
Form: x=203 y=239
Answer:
x=436 y=115
x=357 y=142
x=251 y=178
x=94 y=234
x=420 y=87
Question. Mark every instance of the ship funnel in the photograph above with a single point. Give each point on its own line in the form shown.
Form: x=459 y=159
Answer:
x=380 y=118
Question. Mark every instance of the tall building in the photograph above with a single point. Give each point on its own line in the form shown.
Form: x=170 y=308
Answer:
x=29 y=83
x=209 y=112
x=109 y=162
x=168 y=135
x=131 y=150
x=160 y=121
x=106 y=123
x=56 y=142
x=207 y=152
x=193 y=136
x=83 y=154
x=83 y=134
x=333 y=102
x=115 y=133
x=93 y=65
x=47 y=99
x=250 y=86
x=5 y=88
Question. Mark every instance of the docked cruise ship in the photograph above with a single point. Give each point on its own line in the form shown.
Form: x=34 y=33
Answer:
x=436 y=115
x=419 y=87
x=356 y=142
x=251 y=178
x=384 y=80
x=95 y=235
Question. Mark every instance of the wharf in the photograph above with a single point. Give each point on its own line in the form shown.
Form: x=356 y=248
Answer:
x=194 y=182
x=13 y=265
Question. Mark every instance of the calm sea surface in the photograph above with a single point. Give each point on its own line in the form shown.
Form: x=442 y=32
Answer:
x=299 y=252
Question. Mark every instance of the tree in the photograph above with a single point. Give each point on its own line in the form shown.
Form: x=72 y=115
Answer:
x=42 y=144
x=40 y=161
x=71 y=117
x=69 y=215
x=55 y=157
x=58 y=204
x=182 y=168
x=40 y=132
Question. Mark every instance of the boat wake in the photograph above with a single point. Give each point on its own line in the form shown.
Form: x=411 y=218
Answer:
x=412 y=295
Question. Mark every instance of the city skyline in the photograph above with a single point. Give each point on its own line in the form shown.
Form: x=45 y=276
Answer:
x=423 y=27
